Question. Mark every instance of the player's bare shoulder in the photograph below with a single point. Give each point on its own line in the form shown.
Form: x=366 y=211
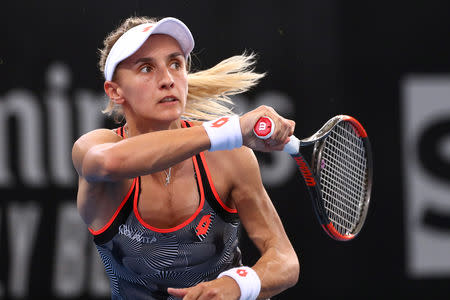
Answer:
x=101 y=135
x=236 y=164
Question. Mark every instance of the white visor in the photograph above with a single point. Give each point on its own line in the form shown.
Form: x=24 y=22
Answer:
x=134 y=38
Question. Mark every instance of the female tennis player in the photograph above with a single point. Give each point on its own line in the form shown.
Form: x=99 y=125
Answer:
x=165 y=194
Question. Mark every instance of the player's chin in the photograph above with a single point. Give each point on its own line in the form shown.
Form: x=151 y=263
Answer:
x=170 y=114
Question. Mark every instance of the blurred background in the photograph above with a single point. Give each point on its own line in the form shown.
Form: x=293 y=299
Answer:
x=386 y=63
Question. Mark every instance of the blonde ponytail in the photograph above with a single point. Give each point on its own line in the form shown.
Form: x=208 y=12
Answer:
x=209 y=90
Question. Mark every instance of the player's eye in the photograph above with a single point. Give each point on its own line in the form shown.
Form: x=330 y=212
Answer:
x=175 y=65
x=146 y=69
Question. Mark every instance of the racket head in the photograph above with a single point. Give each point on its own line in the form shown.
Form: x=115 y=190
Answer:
x=342 y=165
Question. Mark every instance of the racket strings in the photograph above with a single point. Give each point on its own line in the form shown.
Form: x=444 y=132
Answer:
x=341 y=184
x=341 y=214
x=344 y=177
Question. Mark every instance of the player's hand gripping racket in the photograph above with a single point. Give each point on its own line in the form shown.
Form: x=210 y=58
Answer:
x=340 y=177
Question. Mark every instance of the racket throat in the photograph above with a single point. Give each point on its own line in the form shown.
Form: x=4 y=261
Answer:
x=305 y=170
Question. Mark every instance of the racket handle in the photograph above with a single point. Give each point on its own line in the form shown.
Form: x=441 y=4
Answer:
x=264 y=128
x=293 y=146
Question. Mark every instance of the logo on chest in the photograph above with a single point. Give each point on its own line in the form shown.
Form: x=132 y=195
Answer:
x=203 y=226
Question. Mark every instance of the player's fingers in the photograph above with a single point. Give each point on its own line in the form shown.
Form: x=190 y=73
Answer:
x=291 y=127
x=283 y=129
x=195 y=292
x=266 y=109
x=211 y=294
x=272 y=145
x=179 y=293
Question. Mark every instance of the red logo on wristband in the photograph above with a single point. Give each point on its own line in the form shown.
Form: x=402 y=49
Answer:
x=220 y=122
x=241 y=272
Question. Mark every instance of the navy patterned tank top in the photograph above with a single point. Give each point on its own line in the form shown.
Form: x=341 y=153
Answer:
x=142 y=261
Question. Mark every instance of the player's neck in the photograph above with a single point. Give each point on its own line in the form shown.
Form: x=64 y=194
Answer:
x=134 y=129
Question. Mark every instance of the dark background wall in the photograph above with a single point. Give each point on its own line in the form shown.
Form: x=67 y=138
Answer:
x=386 y=63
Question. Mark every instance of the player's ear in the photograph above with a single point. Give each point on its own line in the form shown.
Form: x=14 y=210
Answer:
x=114 y=92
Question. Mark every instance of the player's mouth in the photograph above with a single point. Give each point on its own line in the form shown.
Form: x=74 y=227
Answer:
x=168 y=99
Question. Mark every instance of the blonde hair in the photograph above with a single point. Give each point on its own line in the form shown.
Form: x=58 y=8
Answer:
x=209 y=90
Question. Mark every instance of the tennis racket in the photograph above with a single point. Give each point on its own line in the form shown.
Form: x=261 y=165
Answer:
x=339 y=179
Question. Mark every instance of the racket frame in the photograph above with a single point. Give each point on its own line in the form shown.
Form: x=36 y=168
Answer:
x=311 y=176
x=313 y=185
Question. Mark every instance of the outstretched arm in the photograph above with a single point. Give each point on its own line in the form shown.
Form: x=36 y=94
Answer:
x=96 y=159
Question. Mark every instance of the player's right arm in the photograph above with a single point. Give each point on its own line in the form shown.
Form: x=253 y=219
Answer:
x=102 y=156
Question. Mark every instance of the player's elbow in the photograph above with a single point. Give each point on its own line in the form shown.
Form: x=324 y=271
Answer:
x=296 y=271
x=293 y=266
x=101 y=165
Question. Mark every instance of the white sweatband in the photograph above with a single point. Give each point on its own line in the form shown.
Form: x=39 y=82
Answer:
x=224 y=133
x=247 y=279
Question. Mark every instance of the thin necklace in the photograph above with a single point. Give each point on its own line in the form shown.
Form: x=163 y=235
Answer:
x=168 y=174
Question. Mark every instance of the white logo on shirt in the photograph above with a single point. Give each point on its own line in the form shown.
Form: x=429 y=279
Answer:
x=134 y=235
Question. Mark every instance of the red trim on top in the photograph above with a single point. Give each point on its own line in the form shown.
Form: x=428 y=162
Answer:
x=183 y=123
x=97 y=232
x=119 y=132
x=359 y=128
x=189 y=220
x=208 y=174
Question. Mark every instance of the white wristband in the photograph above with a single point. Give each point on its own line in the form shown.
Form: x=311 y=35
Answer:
x=247 y=279
x=224 y=133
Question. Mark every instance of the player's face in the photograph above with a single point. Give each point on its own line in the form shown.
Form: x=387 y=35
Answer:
x=153 y=81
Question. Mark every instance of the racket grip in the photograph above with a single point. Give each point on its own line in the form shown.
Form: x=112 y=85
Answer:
x=264 y=129
x=293 y=146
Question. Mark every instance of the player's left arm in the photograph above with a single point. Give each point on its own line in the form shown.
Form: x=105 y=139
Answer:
x=278 y=267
